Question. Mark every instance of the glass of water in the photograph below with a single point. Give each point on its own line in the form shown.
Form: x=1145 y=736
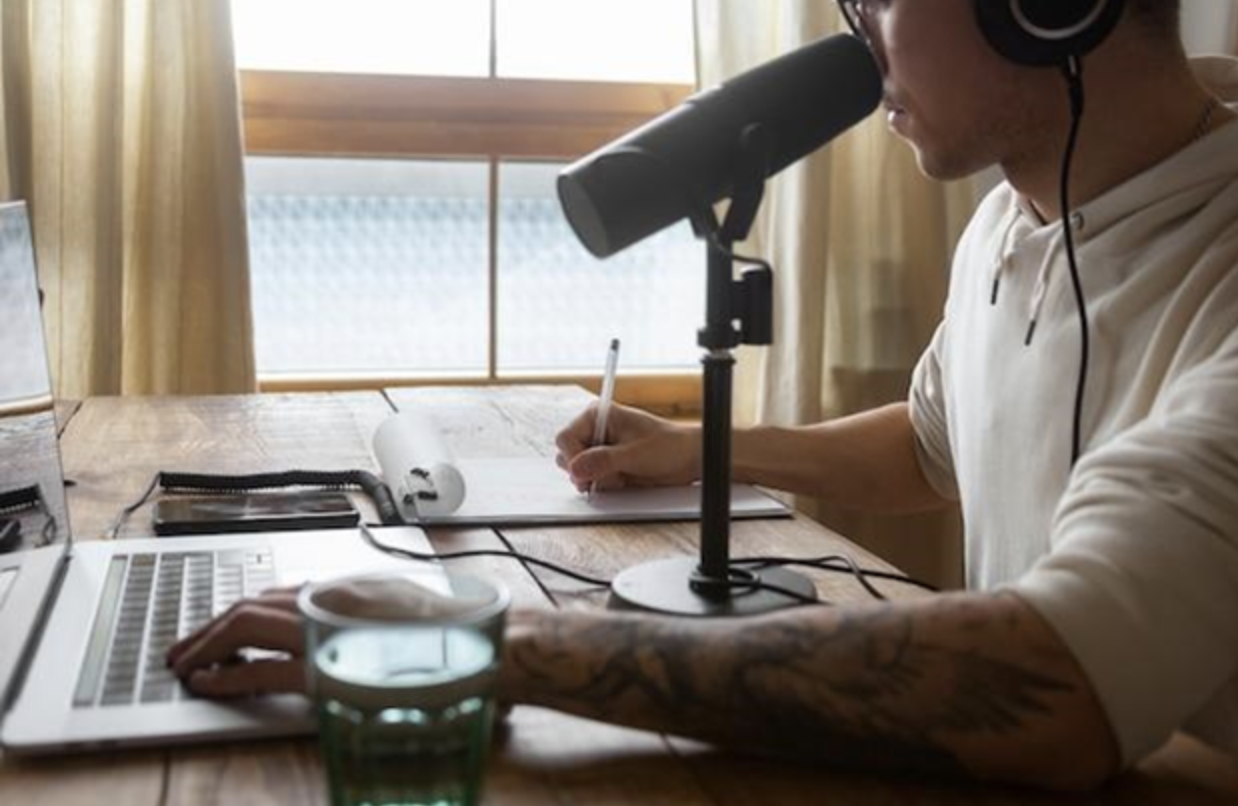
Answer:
x=402 y=669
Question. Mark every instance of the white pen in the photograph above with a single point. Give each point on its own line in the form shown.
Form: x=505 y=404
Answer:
x=605 y=400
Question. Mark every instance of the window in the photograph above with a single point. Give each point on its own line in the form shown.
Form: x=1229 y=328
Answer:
x=400 y=169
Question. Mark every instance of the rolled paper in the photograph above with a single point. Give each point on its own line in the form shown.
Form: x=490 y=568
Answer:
x=418 y=466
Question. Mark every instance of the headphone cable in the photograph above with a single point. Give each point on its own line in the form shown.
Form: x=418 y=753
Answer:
x=1073 y=70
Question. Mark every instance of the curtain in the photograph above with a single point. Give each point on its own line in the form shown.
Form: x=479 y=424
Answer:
x=1233 y=37
x=861 y=245
x=1210 y=28
x=122 y=133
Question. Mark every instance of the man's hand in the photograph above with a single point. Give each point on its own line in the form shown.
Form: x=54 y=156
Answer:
x=208 y=661
x=641 y=451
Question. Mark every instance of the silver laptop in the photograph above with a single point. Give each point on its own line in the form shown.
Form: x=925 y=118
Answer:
x=84 y=626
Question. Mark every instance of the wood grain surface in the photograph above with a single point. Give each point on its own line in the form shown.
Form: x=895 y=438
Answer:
x=112 y=446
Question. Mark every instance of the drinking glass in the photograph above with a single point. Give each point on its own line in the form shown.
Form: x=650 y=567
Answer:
x=402 y=669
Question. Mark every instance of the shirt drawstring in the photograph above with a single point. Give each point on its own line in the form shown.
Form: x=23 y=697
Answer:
x=1041 y=290
x=1004 y=253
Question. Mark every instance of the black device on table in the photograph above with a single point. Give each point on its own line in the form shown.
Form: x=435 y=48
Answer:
x=253 y=512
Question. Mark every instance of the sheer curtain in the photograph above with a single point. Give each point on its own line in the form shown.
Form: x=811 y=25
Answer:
x=861 y=245
x=1210 y=27
x=122 y=132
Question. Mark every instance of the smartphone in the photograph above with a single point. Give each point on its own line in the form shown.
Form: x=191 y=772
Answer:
x=253 y=512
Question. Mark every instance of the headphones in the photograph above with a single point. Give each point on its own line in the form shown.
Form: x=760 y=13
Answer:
x=1046 y=33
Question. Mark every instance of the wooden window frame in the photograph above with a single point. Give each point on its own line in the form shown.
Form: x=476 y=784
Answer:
x=487 y=119
x=317 y=114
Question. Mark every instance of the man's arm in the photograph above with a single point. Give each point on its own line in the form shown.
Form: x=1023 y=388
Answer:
x=865 y=461
x=974 y=685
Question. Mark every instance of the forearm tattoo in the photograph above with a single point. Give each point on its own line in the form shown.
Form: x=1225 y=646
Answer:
x=872 y=687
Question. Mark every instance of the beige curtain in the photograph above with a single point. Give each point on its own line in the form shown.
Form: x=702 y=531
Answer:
x=122 y=132
x=861 y=244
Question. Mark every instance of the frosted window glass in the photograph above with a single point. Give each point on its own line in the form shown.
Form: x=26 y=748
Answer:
x=558 y=306
x=598 y=40
x=412 y=37
x=368 y=267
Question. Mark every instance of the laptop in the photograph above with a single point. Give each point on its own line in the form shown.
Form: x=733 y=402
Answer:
x=84 y=626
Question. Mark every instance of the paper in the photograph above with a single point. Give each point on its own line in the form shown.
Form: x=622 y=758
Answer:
x=533 y=490
x=418 y=467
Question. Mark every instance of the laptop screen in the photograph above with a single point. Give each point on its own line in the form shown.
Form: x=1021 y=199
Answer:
x=33 y=511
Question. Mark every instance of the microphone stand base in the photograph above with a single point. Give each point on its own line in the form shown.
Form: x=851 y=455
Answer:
x=667 y=586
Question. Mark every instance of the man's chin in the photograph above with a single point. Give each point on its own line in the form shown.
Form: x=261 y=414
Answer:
x=945 y=167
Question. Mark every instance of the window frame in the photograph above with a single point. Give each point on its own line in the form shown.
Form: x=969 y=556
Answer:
x=457 y=118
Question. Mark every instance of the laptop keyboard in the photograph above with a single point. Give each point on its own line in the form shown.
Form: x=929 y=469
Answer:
x=149 y=601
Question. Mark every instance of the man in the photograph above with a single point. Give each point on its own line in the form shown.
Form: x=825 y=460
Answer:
x=1102 y=596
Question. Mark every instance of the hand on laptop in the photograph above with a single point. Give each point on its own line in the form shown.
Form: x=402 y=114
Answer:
x=209 y=663
x=640 y=450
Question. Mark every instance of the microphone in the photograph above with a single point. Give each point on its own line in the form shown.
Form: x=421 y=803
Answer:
x=684 y=161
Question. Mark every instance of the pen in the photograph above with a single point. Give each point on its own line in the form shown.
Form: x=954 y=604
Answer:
x=605 y=401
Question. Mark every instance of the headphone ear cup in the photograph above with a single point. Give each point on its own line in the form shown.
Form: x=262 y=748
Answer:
x=1044 y=33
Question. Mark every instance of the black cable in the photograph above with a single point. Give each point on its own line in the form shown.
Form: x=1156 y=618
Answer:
x=839 y=564
x=761 y=584
x=408 y=554
x=48 y=534
x=186 y=482
x=735 y=257
x=849 y=566
x=369 y=483
x=1073 y=71
x=125 y=512
x=26 y=498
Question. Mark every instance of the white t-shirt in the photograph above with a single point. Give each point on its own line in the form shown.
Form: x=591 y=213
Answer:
x=1133 y=555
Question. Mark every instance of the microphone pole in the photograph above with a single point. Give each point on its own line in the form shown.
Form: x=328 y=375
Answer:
x=710 y=586
x=721 y=143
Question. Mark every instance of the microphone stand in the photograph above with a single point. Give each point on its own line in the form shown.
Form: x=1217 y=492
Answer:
x=736 y=312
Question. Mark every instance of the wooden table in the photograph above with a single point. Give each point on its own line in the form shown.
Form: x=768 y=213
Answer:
x=112 y=446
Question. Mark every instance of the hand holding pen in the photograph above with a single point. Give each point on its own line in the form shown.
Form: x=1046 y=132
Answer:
x=605 y=401
x=641 y=449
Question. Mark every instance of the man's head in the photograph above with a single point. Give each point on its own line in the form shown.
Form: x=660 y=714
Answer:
x=961 y=104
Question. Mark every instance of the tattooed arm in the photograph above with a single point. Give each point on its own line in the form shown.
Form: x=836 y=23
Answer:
x=964 y=684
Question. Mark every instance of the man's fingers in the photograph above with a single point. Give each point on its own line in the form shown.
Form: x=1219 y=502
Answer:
x=249 y=624
x=590 y=465
x=285 y=596
x=578 y=434
x=275 y=598
x=249 y=679
x=597 y=465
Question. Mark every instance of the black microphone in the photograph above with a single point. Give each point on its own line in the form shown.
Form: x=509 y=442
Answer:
x=680 y=163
